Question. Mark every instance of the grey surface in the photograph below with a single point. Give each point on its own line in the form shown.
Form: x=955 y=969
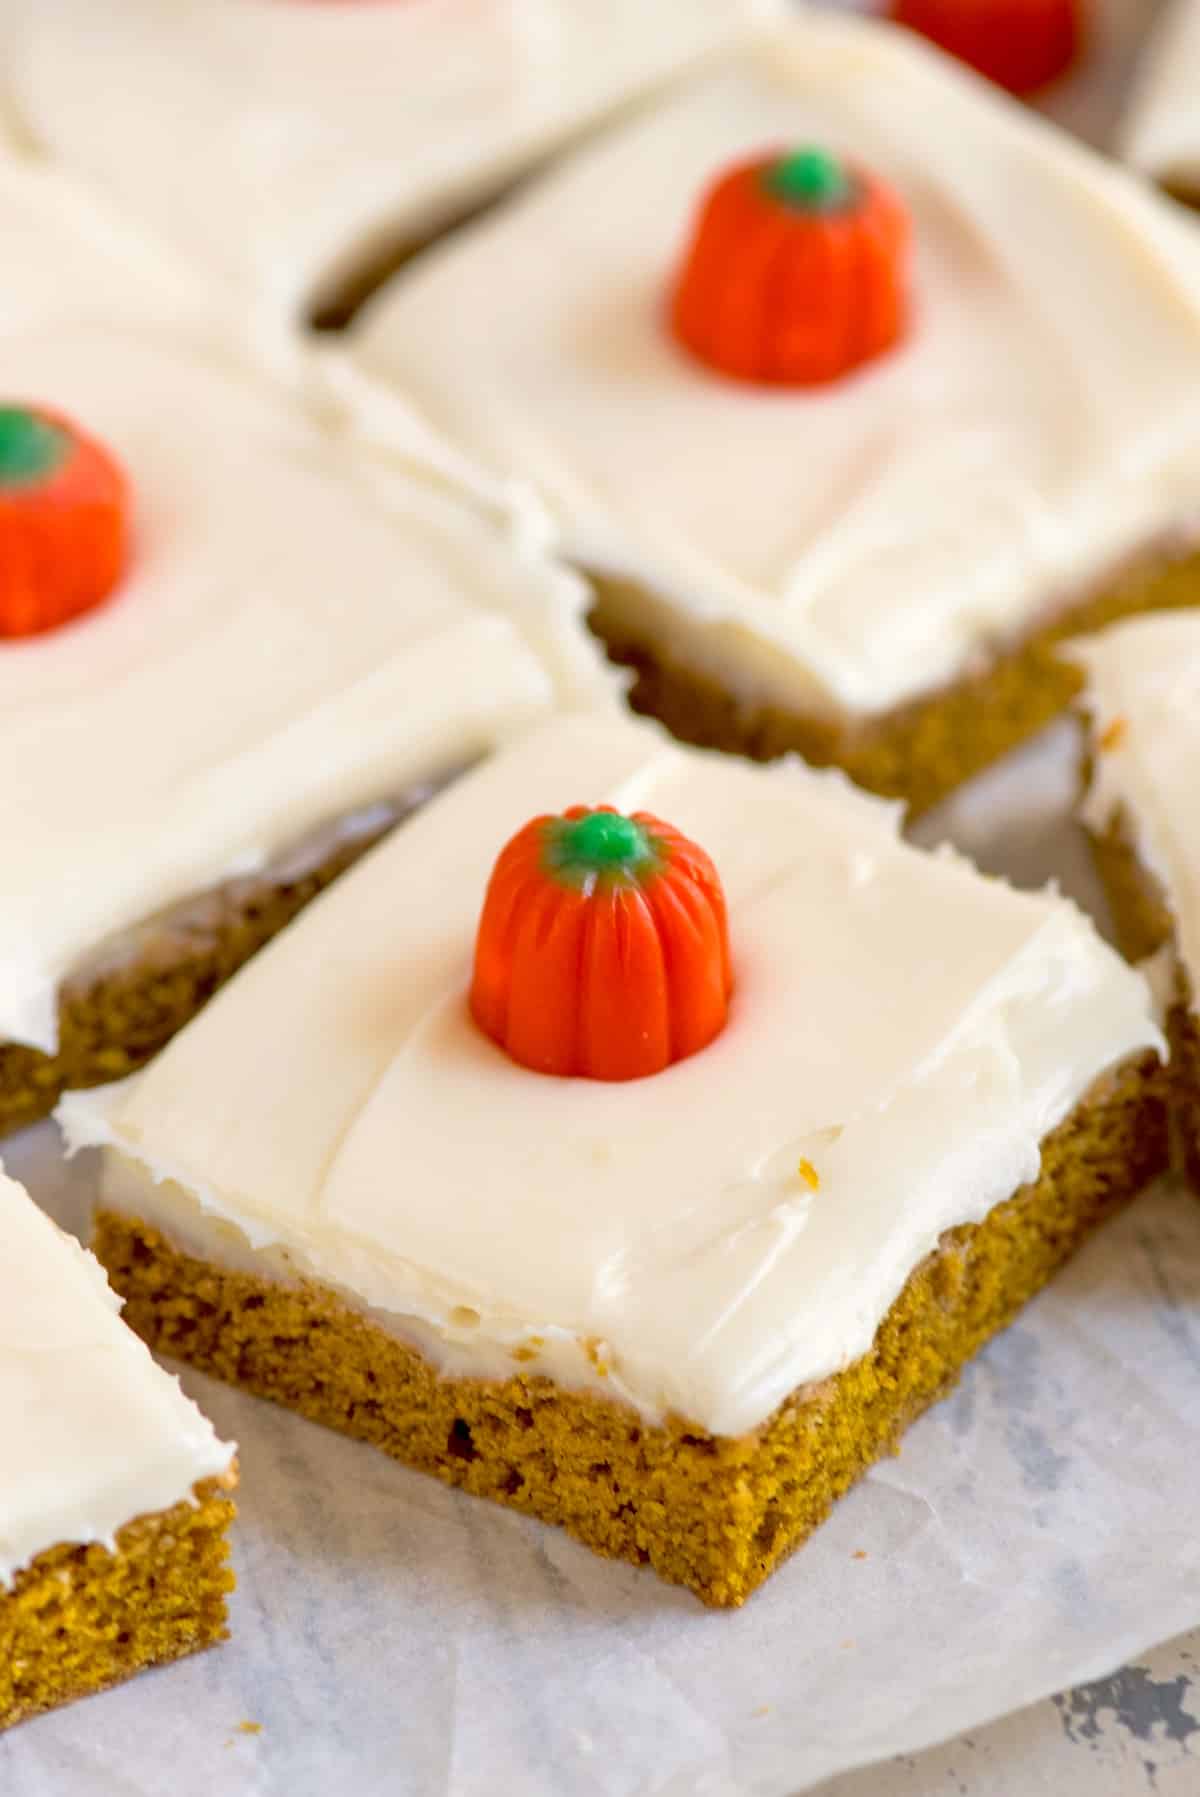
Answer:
x=1133 y=1733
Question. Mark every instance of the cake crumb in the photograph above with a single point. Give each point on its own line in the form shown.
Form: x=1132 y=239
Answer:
x=593 y=1347
x=809 y=1175
x=764 y=1709
x=1115 y=734
x=860 y=1553
x=249 y=1728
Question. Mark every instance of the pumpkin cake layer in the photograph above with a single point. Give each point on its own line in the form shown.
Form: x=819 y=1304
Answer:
x=116 y=1494
x=716 y=1514
x=655 y=1267
x=286 y=649
x=921 y=751
x=280 y=147
x=869 y=569
x=80 y=1619
x=1141 y=699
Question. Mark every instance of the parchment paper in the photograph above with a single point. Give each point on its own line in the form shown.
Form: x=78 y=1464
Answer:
x=1038 y=1528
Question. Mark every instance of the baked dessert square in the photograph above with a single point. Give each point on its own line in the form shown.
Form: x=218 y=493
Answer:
x=1161 y=131
x=116 y=1494
x=290 y=146
x=1141 y=700
x=844 y=451
x=227 y=661
x=749 y=1127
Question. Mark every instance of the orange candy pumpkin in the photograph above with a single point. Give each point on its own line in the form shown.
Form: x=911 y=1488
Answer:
x=796 y=272
x=64 y=505
x=1021 y=44
x=603 y=949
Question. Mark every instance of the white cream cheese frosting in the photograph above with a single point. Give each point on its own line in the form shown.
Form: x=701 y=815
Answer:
x=1161 y=133
x=66 y=257
x=274 y=141
x=282 y=650
x=909 y=1028
x=846 y=549
x=95 y=1432
x=1143 y=699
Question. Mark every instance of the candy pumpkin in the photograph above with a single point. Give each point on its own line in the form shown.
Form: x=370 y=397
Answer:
x=1021 y=44
x=796 y=271
x=602 y=950
x=64 y=506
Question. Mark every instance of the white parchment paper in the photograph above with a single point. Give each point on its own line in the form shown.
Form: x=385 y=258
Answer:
x=390 y=1637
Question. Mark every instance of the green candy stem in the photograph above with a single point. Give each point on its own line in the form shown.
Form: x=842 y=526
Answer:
x=601 y=844
x=811 y=180
x=30 y=446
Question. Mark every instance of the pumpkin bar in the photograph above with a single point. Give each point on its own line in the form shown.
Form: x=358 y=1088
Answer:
x=116 y=1493
x=773 y=1121
x=226 y=663
x=1141 y=699
x=844 y=449
x=289 y=147
x=1161 y=135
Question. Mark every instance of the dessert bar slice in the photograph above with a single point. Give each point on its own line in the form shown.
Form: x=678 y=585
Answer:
x=811 y=367
x=661 y=1203
x=116 y=1494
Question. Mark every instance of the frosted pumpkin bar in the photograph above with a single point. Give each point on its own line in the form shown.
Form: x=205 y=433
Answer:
x=1142 y=702
x=285 y=146
x=660 y=1206
x=811 y=369
x=116 y=1493
x=1161 y=133
x=225 y=664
